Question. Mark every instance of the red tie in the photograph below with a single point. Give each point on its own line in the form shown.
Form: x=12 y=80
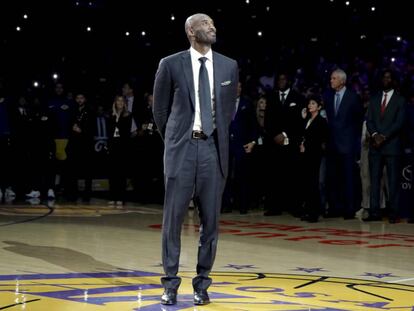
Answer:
x=384 y=104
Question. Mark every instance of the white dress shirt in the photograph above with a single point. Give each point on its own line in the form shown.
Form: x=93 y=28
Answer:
x=195 y=55
x=389 y=94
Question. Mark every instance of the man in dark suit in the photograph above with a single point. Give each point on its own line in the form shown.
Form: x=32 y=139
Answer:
x=344 y=112
x=194 y=98
x=386 y=117
x=284 y=123
x=244 y=131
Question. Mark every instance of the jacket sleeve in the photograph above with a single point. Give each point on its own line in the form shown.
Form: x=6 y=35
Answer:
x=162 y=94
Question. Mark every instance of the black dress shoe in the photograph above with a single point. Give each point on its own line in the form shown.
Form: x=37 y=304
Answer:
x=332 y=214
x=272 y=213
x=201 y=297
x=169 y=297
x=312 y=219
x=393 y=220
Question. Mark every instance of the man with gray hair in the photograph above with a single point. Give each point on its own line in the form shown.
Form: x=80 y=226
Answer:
x=345 y=113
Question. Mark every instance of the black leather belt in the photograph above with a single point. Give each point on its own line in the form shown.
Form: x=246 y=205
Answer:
x=198 y=135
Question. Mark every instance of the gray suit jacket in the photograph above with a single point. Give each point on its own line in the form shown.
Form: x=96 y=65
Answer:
x=390 y=125
x=174 y=106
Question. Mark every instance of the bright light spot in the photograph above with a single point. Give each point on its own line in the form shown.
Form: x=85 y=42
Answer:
x=18 y=28
x=172 y=17
x=392 y=59
x=247 y=1
x=398 y=38
x=88 y=28
x=268 y=9
x=347 y=3
x=55 y=76
x=314 y=39
x=373 y=8
x=36 y=84
x=25 y=16
x=363 y=37
x=143 y=33
x=127 y=33
x=259 y=34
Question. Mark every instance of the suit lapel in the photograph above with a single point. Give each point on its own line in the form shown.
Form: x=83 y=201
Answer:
x=342 y=104
x=217 y=79
x=390 y=108
x=188 y=74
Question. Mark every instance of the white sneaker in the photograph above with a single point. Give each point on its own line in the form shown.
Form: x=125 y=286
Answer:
x=33 y=194
x=9 y=193
x=50 y=194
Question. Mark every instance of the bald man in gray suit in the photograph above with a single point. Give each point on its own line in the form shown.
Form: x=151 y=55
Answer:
x=196 y=139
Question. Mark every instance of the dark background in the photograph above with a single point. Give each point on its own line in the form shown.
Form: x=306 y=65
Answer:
x=54 y=38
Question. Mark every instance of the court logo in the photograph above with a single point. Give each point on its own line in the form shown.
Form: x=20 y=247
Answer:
x=139 y=290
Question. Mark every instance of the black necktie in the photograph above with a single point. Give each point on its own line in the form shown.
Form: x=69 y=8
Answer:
x=205 y=98
x=282 y=98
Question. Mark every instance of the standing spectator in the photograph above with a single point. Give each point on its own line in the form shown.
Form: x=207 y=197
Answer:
x=119 y=138
x=260 y=155
x=312 y=148
x=80 y=148
x=100 y=131
x=41 y=148
x=409 y=132
x=151 y=172
x=344 y=113
x=21 y=120
x=385 y=122
x=6 y=190
x=61 y=112
x=243 y=136
x=284 y=124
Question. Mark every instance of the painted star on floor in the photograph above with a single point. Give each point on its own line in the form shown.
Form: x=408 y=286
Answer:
x=310 y=270
x=239 y=267
x=380 y=275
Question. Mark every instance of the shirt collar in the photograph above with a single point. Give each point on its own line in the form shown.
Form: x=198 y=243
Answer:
x=196 y=54
x=341 y=91
x=284 y=92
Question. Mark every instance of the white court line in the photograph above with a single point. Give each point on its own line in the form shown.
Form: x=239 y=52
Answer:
x=402 y=280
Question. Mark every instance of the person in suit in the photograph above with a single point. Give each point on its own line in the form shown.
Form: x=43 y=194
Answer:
x=385 y=122
x=244 y=132
x=312 y=149
x=345 y=113
x=284 y=123
x=194 y=98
